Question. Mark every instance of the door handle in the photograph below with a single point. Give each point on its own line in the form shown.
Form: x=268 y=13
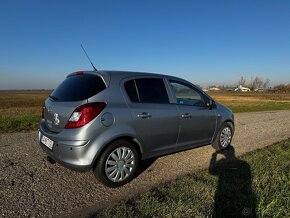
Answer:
x=144 y=115
x=186 y=115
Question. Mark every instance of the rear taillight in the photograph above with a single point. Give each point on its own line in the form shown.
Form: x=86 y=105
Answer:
x=84 y=114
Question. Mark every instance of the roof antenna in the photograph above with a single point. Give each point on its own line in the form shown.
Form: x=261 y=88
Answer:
x=95 y=69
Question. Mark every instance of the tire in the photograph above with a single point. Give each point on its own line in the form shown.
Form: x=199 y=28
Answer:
x=224 y=137
x=118 y=163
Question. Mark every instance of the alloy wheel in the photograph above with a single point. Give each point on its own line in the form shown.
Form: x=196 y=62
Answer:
x=119 y=164
x=225 y=137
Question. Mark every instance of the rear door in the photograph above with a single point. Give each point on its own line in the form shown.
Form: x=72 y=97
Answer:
x=155 y=119
x=197 y=122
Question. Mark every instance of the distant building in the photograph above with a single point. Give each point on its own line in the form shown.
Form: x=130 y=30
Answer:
x=214 y=89
x=261 y=90
x=240 y=88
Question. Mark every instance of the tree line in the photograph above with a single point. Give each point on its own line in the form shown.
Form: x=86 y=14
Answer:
x=261 y=83
x=256 y=83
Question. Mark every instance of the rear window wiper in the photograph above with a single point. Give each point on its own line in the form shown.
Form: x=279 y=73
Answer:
x=53 y=97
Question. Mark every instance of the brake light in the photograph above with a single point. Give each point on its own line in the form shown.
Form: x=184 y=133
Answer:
x=78 y=73
x=84 y=114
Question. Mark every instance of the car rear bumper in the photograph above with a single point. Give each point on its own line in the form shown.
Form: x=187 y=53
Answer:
x=74 y=155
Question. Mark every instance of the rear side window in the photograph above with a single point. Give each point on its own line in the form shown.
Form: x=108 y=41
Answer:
x=131 y=90
x=78 y=87
x=147 y=90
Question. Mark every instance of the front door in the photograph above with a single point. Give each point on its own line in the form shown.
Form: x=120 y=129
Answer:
x=197 y=122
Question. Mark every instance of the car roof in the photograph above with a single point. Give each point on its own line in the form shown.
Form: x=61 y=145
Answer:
x=107 y=75
x=126 y=73
x=119 y=75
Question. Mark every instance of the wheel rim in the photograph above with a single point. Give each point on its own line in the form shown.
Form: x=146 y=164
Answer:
x=225 y=137
x=119 y=164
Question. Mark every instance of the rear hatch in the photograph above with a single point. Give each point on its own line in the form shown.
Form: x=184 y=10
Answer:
x=70 y=94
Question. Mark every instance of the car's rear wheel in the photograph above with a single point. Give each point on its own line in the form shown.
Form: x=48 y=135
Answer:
x=118 y=163
x=224 y=137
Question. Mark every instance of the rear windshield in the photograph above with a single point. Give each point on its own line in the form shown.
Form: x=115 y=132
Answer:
x=78 y=87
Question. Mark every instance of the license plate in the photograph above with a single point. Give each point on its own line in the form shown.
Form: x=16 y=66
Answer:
x=47 y=142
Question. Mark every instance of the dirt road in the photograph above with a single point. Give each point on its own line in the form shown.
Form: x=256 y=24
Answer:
x=30 y=186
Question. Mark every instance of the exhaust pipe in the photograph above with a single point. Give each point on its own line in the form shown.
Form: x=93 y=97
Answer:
x=50 y=160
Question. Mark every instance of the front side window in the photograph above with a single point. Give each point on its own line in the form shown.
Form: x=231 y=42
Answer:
x=186 y=95
x=147 y=90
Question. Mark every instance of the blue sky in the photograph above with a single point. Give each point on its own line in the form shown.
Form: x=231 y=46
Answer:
x=206 y=42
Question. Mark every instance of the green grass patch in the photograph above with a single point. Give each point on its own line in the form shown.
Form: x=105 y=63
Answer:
x=262 y=106
x=19 y=122
x=256 y=184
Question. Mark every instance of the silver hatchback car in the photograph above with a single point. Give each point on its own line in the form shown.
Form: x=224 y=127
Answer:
x=109 y=121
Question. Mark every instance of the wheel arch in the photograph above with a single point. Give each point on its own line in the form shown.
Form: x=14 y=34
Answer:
x=130 y=138
x=232 y=123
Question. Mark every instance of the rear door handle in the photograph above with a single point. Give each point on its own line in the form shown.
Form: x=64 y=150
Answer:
x=144 y=115
x=186 y=115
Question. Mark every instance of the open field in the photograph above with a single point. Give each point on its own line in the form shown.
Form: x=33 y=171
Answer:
x=21 y=110
x=236 y=187
x=253 y=101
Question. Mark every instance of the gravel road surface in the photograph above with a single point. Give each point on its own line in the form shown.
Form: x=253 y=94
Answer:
x=30 y=186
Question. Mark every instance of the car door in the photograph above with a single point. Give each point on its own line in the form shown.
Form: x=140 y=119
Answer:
x=154 y=118
x=197 y=121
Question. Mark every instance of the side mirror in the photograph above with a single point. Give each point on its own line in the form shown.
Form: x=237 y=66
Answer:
x=210 y=104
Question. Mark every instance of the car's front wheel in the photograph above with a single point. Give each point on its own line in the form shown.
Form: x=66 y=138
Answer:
x=118 y=163
x=224 y=137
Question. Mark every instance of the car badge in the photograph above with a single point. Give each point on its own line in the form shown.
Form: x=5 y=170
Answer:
x=56 y=119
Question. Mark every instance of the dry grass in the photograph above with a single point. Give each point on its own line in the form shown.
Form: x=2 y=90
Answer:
x=230 y=97
x=253 y=101
x=20 y=110
x=22 y=99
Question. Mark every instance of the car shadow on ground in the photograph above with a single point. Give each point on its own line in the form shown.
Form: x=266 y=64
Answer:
x=144 y=165
x=234 y=196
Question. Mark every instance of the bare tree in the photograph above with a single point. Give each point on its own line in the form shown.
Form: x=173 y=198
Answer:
x=242 y=81
x=283 y=88
x=266 y=83
x=256 y=83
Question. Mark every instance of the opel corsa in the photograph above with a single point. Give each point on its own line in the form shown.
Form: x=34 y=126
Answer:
x=109 y=121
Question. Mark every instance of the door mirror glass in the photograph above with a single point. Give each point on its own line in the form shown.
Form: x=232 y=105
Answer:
x=210 y=103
